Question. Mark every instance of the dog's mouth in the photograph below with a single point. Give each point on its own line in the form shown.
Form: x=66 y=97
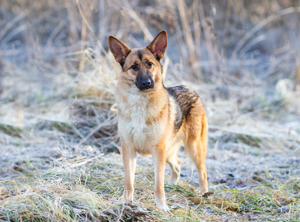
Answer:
x=145 y=84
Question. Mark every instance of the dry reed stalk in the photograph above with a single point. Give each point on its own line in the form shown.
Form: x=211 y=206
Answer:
x=207 y=24
x=197 y=31
x=83 y=8
x=297 y=76
x=182 y=8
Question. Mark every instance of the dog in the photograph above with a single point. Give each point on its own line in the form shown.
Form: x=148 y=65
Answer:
x=154 y=119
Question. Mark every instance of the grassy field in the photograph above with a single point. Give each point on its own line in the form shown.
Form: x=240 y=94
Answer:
x=60 y=153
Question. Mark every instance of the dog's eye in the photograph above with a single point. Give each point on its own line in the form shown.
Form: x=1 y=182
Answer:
x=134 y=67
x=149 y=64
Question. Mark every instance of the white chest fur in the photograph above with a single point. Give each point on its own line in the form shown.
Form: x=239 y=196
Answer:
x=133 y=129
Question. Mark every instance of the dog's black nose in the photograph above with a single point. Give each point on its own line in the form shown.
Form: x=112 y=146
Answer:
x=146 y=82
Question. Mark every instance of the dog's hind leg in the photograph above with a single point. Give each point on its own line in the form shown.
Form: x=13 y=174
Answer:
x=174 y=163
x=129 y=160
x=196 y=147
x=197 y=153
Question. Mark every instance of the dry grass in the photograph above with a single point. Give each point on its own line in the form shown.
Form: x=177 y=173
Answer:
x=90 y=189
x=59 y=148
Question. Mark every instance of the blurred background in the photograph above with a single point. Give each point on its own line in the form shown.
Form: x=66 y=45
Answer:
x=57 y=76
x=55 y=67
x=57 y=80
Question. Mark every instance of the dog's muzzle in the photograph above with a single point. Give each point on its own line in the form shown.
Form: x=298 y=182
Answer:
x=145 y=83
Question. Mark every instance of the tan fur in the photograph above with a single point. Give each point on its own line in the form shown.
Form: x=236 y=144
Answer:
x=146 y=119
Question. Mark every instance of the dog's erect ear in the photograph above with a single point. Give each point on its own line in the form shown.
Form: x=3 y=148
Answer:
x=118 y=49
x=159 y=45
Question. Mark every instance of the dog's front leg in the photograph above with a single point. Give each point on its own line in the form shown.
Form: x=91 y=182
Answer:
x=159 y=160
x=129 y=161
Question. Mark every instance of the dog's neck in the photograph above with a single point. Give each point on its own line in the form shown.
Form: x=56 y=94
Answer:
x=129 y=95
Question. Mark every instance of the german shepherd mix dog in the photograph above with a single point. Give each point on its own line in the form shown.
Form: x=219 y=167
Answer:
x=153 y=119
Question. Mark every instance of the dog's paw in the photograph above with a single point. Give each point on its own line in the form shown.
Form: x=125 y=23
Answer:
x=128 y=196
x=207 y=194
x=163 y=207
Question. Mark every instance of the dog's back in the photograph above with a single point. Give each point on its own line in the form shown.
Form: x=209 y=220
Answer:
x=185 y=99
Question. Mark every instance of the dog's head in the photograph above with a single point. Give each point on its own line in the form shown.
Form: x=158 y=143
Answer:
x=141 y=66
